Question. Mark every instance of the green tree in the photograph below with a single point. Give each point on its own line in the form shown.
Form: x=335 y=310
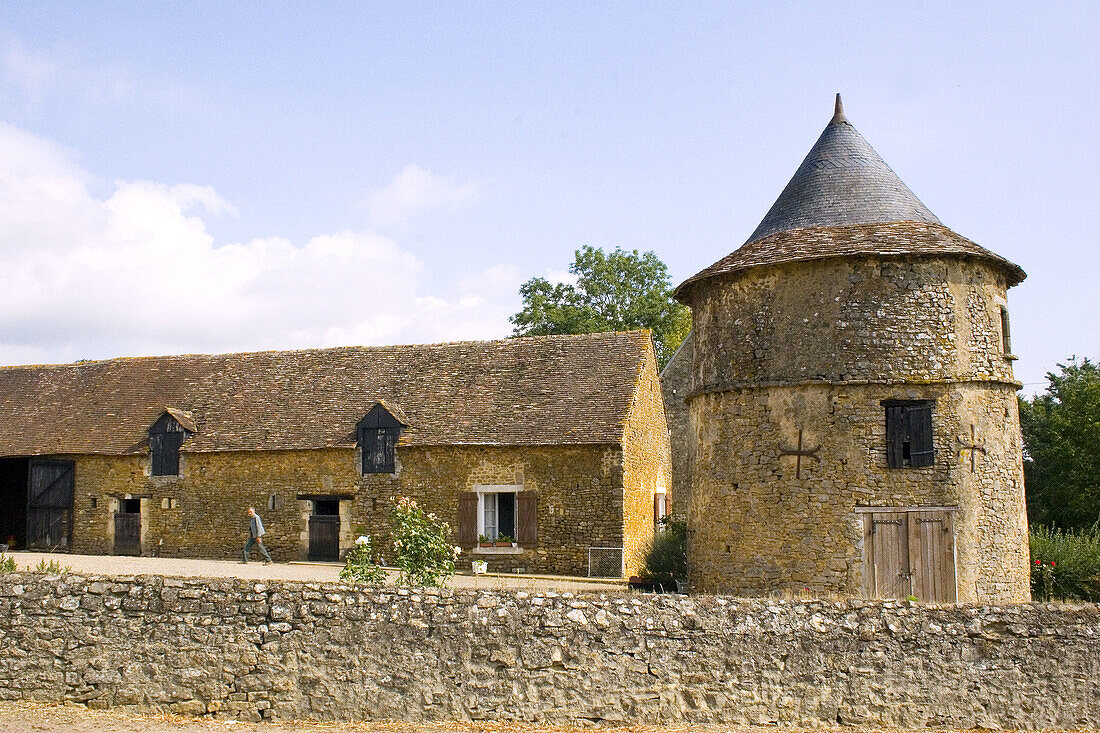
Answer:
x=1061 y=430
x=619 y=291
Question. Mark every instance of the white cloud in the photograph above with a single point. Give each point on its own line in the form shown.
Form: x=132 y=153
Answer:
x=137 y=272
x=415 y=190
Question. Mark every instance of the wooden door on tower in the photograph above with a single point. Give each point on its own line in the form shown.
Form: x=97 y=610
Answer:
x=50 y=503
x=909 y=552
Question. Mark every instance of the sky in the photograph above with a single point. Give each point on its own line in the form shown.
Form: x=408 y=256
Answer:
x=212 y=177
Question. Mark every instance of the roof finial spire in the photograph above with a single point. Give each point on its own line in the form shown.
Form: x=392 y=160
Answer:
x=838 y=112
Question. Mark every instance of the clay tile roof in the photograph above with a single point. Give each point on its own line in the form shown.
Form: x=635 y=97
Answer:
x=882 y=240
x=549 y=390
x=844 y=200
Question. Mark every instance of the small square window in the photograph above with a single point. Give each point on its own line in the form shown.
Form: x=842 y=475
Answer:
x=909 y=433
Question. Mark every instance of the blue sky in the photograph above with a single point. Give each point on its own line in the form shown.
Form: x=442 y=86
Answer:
x=208 y=177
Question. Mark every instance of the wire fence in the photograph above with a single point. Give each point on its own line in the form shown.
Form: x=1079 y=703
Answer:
x=605 y=562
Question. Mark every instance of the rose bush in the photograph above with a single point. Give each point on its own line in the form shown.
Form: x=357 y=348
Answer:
x=361 y=564
x=421 y=549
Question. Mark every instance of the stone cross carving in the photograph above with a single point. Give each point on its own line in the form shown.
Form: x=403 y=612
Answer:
x=799 y=452
x=973 y=446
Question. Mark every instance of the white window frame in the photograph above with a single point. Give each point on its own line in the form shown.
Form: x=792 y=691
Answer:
x=482 y=491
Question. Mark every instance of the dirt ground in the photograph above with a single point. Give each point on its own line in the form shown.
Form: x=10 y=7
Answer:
x=26 y=717
x=303 y=571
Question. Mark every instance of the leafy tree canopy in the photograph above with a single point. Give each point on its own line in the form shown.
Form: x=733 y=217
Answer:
x=619 y=291
x=1061 y=430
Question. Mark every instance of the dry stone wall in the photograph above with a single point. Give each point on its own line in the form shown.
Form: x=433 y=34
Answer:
x=249 y=650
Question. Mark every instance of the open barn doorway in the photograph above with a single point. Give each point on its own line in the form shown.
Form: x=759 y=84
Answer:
x=36 y=503
x=13 y=502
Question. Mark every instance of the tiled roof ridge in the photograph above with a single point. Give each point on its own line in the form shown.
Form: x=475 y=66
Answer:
x=889 y=239
x=328 y=349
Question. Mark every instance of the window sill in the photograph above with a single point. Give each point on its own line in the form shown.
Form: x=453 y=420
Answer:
x=513 y=550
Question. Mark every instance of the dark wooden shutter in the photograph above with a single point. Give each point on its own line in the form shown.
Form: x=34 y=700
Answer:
x=527 y=518
x=895 y=436
x=368 y=437
x=921 y=451
x=467 y=519
x=379 y=446
x=656 y=508
x=164 y=450
x=387 y=444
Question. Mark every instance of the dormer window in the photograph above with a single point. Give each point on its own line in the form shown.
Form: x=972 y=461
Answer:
x=377 y=435
x=166 y=437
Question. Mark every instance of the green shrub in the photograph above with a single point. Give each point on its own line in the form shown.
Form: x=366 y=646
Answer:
x=360 y=564
x=1065 y=564
x=420 y=547
x=666 y=557
x=7 y=564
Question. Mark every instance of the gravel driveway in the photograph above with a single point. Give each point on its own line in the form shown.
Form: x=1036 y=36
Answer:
x=304 y=571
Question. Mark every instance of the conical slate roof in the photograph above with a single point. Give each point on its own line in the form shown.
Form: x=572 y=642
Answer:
x=842 y=181
x=845 y=201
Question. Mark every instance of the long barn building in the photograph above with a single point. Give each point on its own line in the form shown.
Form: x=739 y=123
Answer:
x=555 y=449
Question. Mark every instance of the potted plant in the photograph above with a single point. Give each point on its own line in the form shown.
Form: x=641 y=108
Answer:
x=504 y=541
x=483 y=541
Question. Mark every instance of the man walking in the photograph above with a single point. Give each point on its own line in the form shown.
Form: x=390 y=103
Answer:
x=255 y=536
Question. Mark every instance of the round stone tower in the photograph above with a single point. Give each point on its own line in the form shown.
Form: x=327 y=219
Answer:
x=854 y=424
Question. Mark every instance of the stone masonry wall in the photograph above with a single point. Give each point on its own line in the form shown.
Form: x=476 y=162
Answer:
x=759 y=528
x=201 y=513
x=816 y=347
x=248 y=650
x=647 y=468
x=851 y=319
x=676 y=385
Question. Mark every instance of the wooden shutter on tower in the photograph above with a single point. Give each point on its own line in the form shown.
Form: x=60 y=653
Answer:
x=895 y=436
x=527 y=518
x=467 y=519
x=921 y=451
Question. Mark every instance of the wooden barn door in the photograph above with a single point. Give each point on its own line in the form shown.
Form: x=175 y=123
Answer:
x=909 y=553
x=886 y=542
x=50 y=504
x=128 y=527
x=324 y=530
x=932 y=556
